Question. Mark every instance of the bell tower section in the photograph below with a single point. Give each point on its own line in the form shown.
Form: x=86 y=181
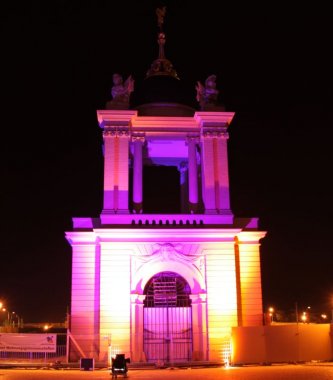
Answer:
x=197 y=145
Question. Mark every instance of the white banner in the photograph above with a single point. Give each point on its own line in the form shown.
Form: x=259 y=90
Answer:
x=28 y=342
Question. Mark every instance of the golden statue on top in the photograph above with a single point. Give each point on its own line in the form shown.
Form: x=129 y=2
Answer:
x=160 y=12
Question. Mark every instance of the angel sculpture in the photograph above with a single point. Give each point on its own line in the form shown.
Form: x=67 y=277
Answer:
x=120 y=92
x=207 y=94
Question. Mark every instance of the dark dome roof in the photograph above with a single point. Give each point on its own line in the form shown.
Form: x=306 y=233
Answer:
x=162 y=91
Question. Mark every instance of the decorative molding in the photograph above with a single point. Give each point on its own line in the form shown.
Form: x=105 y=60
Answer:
x=116 y=131
x=137 y=299
x=168 y=252
x=171 y=257
x=195 y=138
x=140 y=137
x=213 y=133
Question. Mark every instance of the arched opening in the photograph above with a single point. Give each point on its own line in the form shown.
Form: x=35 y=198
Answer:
x=167 y=319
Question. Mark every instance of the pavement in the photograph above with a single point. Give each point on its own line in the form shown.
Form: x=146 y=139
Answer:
x=150 y=366
x=312 y=370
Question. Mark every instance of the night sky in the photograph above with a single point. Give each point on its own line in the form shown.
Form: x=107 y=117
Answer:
x=273 y=69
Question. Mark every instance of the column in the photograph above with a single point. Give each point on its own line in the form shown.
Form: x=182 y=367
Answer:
x=114 y=296
x=215 y=183
x=222 y=173
x=208 y=175
x=199 y=327
x=192 y=174
x=116 y=151
x=183 y=171
x=109 y=149
x=137 y=353
x=137 y=173
x=248 y=246
x=85 y=297
x=221 y=296
x=122 y=138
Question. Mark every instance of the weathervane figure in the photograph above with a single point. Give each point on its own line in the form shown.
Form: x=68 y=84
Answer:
x=160 y=12
x=161 y=65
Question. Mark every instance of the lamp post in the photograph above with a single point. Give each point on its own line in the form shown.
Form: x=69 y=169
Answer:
x=304 y=317
x=7 y=320
x=3 y=309
x=308 y=313
x=14 y=314
x=271 y=311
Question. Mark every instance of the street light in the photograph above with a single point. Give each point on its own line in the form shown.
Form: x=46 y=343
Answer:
x=9 y=320
x=6 y=321
x=308 y=313
x=271 y=311
x=14 y=314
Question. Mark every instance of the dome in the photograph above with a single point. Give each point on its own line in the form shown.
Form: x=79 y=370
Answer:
x=160 y=95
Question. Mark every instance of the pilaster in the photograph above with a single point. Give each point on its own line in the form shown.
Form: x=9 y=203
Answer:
x=199 y=326
x=137 y=353
x=138 y=141
x=193 y=173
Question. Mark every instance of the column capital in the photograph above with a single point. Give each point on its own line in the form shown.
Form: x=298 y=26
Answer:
x=198 y=298
x=215 y=133
x=192 y=138
x=138 y=137
x=116 y=131
x=138 y=298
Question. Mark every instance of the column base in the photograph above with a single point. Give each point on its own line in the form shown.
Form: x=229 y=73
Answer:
x=225 y=212
x=198 y=356
x=193 y=208
x=114 y=211
x=211 y=212
x=139 y=357
x=137 y=208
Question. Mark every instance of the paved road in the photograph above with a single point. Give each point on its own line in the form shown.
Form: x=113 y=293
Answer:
x=285 y=372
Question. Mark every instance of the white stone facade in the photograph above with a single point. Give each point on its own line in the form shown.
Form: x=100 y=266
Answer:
x=116 y=255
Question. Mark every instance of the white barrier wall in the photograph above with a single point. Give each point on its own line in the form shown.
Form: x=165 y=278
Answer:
x=281 y=343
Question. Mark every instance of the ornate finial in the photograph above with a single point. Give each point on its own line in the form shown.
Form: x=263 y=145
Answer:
x=207 y=94
x=120 y=92
x=161 y=65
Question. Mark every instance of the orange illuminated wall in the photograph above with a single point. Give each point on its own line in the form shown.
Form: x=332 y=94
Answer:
x=250 y=293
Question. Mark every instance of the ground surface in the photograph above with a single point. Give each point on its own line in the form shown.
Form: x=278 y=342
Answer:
x=281 y=372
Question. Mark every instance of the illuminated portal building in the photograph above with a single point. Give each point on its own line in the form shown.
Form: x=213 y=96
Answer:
x=163 y=282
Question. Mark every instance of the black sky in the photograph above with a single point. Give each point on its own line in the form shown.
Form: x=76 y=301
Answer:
x=273 y=69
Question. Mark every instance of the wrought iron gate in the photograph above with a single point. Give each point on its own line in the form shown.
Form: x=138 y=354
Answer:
x=167 y=319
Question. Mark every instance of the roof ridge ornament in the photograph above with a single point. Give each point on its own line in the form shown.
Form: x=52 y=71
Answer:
x=161 y=65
